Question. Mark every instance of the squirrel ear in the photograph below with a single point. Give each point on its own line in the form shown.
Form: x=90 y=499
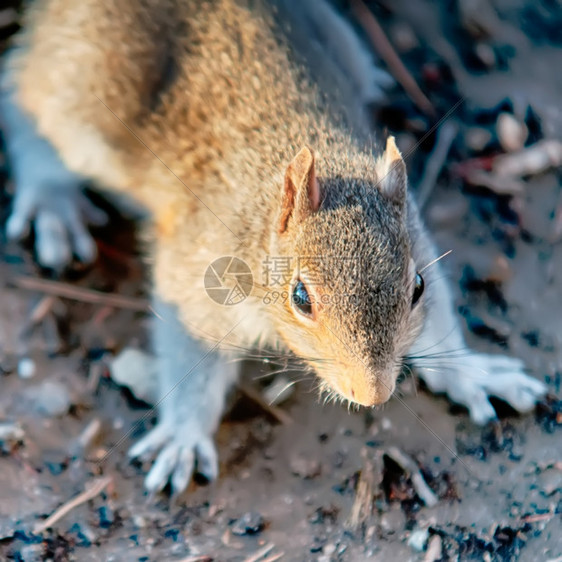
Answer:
x=301 y=193
x=393 y=180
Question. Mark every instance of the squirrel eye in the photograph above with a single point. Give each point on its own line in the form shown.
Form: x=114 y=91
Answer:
x=418 y=289
x=301 y=298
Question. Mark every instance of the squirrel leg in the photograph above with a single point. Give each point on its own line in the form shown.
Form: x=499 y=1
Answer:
x=194 y=381
x=443 y=360
x=47 y=193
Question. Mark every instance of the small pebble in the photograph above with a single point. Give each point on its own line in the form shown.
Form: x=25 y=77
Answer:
x=33 y=552
x=99 y=454
x=138 y=372
x=26 y=368
x=418 y=539
x=250 y=523
x=394 y=520
x=477 y=138
x=84 y=533
x=55 y=461
x=550 y=482
x=434 y=549
x=324 y=514
x=317 y=544
x=403 y=37
x=7 y=365
x=500 y=271
x=11 y=432
x=485 y=55
x=50 y=399
x=511 y=133
x=386 y=424
x=288 y=499
x=305 y=467
x=106 y=517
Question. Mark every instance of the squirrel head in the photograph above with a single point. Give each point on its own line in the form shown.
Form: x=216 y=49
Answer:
x=354 y=295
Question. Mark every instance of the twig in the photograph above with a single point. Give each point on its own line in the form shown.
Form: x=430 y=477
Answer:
x=87 y=436
x=445 y=137
x=386 y=51
x=94 y=376
x=369 y=479
x=96 y=487
x=274 y=557
x=277 y=413
x=420 y=485
x=102 y=315
x=67 y=291
x=38 y=314
x=42 y=308
x=537 y=517
x=260 y=553
x=361 y=509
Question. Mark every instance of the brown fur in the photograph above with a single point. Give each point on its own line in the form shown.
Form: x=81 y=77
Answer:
x=195 y=109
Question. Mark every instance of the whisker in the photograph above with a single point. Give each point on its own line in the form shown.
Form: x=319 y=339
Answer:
x=439 y=368
x=433 y=262
x=283 y=371
x=439 y=342
x=452 y=354
x=286 y=387
x=411 y=375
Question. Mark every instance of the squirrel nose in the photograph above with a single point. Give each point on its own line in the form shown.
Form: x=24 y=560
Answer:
x=370 y=392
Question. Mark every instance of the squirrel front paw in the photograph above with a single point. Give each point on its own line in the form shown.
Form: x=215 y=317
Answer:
x=47 y=193
x=59 y=213
x=180 y=450
x=481 y=376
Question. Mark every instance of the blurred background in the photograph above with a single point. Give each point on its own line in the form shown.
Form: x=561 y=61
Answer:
x=476 y=107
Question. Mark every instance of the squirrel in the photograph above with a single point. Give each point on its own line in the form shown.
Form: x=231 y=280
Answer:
x=205 y=113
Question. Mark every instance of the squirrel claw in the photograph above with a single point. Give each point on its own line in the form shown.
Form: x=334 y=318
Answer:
x=150 y=443
x=177 y=458
x=174 y=463
x=481 y=411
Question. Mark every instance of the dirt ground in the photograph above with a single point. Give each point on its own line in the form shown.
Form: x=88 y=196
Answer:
x=324 y=484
